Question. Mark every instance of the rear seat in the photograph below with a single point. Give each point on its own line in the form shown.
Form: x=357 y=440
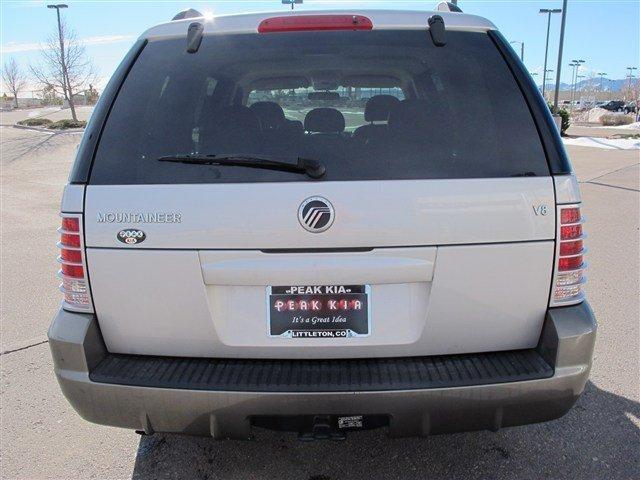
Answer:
x=324 y=127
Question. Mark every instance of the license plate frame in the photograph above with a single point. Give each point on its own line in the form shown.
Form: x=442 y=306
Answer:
x=328 y=324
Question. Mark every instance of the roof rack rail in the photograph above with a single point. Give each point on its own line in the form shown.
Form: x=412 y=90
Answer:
x=448 y=7
x=189 y=13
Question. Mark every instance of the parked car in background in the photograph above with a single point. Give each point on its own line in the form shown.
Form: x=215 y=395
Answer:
x=575 y=104
x=631 y=107
x=614 y=106
x=243 y=247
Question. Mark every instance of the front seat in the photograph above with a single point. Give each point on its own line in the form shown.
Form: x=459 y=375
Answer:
x=377 y=109
x=232 y=129
x=280 y=136
x=270 y=114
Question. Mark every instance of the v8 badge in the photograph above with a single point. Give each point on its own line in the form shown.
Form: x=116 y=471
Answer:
x=541 y=209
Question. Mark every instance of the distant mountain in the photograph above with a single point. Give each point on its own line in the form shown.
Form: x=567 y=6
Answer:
x=607 y=84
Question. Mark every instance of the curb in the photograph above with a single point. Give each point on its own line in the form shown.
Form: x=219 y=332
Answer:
x=48 y=130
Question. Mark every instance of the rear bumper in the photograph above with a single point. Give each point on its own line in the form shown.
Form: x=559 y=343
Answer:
x=566 y=344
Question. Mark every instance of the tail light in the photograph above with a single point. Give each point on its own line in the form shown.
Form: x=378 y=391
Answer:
x=568 y=275
x=73 y=270
x=305 y=23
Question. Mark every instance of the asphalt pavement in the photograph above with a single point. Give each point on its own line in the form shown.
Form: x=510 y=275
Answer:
x=42 y=437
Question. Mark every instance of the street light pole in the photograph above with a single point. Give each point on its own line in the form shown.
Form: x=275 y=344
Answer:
x=560 y=48
x=581 y=88
x=548 y=11
x=573 y=65
x=602 y=75
x=548 y=79
x=631 y=69
x=66 y=86
x=521 y=49
x=574 y=78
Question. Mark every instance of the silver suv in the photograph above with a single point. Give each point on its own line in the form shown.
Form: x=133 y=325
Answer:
x=322 y=222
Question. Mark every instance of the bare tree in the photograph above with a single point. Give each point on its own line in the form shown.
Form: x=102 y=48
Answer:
x=14 y=79
x=64 y=66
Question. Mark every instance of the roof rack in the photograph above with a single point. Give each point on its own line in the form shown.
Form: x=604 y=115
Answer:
x=448 y=7
x=189 y=13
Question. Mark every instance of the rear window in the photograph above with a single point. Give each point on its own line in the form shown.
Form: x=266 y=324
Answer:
x=376 y=105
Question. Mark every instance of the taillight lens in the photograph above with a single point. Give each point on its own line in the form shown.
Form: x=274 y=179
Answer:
x=571 y=248
x=569 y=215
x=568 y=276
x=570 y=232
x=70 y=240
x=71 y=256
x=71 y=224
x=73 y=271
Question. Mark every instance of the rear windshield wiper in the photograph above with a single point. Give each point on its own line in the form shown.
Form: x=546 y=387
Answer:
x=312 y=168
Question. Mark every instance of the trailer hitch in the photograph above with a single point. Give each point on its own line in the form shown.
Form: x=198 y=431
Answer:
x=322 y=428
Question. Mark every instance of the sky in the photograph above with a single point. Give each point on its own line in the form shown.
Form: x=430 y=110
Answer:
x=605 y=33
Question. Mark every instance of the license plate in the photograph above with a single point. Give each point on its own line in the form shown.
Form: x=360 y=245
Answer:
x=319 y=311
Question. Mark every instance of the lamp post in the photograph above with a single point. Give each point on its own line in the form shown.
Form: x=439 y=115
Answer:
x=631 y=69
x=293 y=3
x=573 y=65
x=521 y=49
x=602 y=75
x=63 y=62
x=581 y=89
x=546 y=79
x=574 y=77
x=560 y=49
x=548 y=11
x=58 y=7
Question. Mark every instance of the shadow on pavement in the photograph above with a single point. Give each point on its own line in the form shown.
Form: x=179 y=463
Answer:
x=598 y=438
